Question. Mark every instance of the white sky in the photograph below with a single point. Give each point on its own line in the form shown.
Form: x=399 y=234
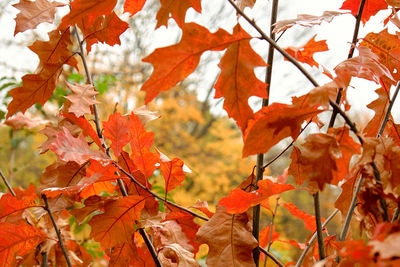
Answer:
x=287 y=80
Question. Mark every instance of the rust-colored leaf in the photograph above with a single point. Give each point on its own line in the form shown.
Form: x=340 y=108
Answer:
x=11 y=207
x=229 y=239
x=177 y=9
x=32 y=13
x=183 y=57
x=133 y=6
x=117 y=131
x=237 y=81
x=305 y=53
x=86 y=127
x=172 y=172
x=105 y=29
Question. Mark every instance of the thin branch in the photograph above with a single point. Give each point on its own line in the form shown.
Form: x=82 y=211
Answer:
x=265 y=102
x=350 y=55
x=46 y=207
x=271 y=256
x=44 y=259
x=150 y=247
x=7 y=184
x=320 y=238
x=309 y=243
x=95 y=111
x=157 y=196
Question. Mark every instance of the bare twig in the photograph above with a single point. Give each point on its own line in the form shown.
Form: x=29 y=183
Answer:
x=44 y=259
x=271 y=256
x=150 y=247
x=320 y=238
x=309 y=243
x=46 y=207
x=7 y=184
x=265 y=102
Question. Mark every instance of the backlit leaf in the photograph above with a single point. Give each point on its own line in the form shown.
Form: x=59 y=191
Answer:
x=371 y=7
x=117 y=131
x=81 y=98
x=305 y=53
x=177 y=9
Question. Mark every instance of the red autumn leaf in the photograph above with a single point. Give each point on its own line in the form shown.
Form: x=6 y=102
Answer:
x=177 y=9
x=116 y=224
x=69 y=148
x=305 y=53
x=272 y=124
x=87 y=128
x=238 y=201
x=268 y=188
x=172 y=171
x=237 y=81
x=105 y=29
x=365 y=66
x=183 y=57
x=229 y=239
x=141 y=142
x=387 y=47
x=306 y=164
x=203 y=207
x=89 y=9
x=82 y=98
x=33 y=13
x=265 y=236
x=133 y=6
x=305 y=20
x=17 y=240
x=371 y=7
x=39 y=87
x=11 y=206
x=117 y=131
x=308 y=220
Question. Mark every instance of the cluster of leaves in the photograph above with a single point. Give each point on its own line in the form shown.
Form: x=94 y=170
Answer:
x=110 y=187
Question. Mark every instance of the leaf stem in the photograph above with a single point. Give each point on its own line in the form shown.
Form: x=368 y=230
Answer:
x=95 y=111
x=271 y=256
x=309 y=243
x=265 y=102
x=46 y=207
x=6 y=183
x=157 y=196
x=150 y=247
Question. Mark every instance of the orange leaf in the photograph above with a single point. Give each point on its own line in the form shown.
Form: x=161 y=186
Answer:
x=305 y=53
x=141 y=142
x=272 y=124
x=12 y=206
x=238 y=201
x=81 y=98
x=203 y=207
x=117 y=131
x=105 y=29
x=116 y=224
x=172 y=172
x=20 y=121
x=229 y=239
x=177 y=9
x=237 y=81
x=133 y=6
x=16 y=241
x=308 y=220
x=34 y=13
x=183 y=57
x=90 y=9
x=371 y=7
x=69 y=148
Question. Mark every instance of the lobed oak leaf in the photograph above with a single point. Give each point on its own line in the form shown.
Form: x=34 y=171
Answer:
x=177 y=9
x=183 y=57
x=387 y=47
x=85 y=126
x=20 y=121
x=305 y=20
x=51 y=131
x=175 y=255
x=69 y=148
x=89 y=9
x=32 y=13
x=133 y=6
x=237 y=81
x=365 y=66
x=272 y=124
x=203 y=207
x=238 y=201
x=173 y=174
x=245 y=3
x=116 y=224
x=229 y=239
x=17 y=241
x=308 y=220
x=117 y=131
x=371 y=7
x=82 y=98
x=11 y=208
x=305 y=53
x=105 y=29
x=141 y=142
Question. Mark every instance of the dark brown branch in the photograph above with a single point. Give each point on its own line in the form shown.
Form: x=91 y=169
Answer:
x=150 y=247
x=271 y=256
x=320 y=238
x=7 y=184
x=157 y=196
x=44 y=259
x=60 y=242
